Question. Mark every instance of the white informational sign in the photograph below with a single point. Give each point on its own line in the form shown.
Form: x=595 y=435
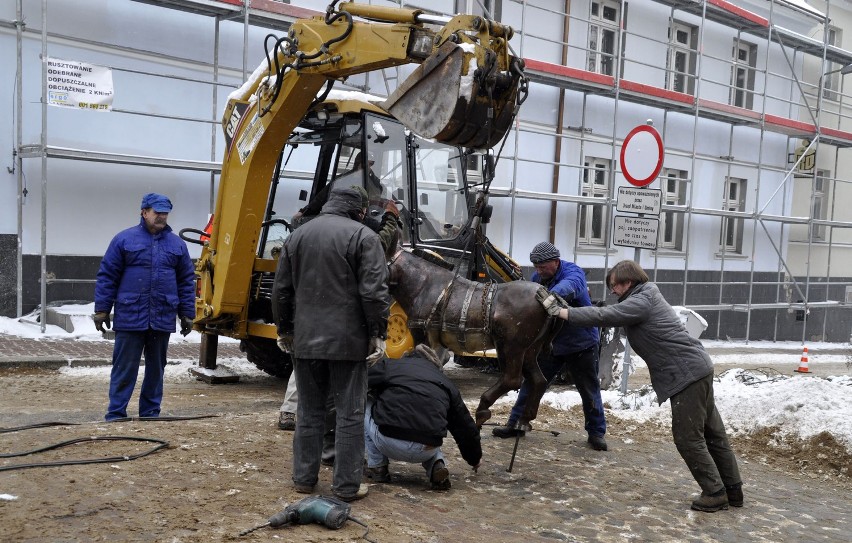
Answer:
x=635 y=200
x=79 y=85
x=635 y=232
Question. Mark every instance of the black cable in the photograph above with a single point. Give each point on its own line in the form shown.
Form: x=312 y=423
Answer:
x=38 y=425
x=162 y=419
x=125 y=419
x=364 y=537
x=162 y=444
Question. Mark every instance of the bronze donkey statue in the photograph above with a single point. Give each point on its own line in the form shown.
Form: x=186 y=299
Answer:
x=466 y=316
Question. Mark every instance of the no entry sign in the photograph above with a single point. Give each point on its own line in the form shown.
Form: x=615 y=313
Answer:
x=642 y=155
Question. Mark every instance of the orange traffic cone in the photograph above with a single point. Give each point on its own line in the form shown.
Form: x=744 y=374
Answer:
x=803 y=364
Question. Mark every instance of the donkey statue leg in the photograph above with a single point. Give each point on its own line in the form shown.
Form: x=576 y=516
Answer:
x=537 y=384
x=512 y=360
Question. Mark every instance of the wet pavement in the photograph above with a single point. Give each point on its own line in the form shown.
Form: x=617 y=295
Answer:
x=51 y=352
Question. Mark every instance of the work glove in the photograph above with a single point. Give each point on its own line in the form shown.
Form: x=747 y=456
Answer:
x=390 y=207
x=550 y=301
x=185 y=326
x=101 y=318
x=377 y=350
x=285 y=343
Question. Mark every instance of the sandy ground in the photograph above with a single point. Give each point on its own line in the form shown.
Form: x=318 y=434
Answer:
x=221 y=475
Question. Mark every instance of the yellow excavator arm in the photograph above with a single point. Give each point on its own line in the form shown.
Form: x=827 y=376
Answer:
x=465 y=92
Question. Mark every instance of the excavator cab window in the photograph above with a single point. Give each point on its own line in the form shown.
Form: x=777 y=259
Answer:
x=442 y=196
x=296 y=176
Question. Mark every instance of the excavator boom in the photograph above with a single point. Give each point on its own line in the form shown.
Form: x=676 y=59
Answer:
x=465 y=92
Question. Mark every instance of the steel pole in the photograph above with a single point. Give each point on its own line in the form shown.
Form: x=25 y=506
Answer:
x=43 y=165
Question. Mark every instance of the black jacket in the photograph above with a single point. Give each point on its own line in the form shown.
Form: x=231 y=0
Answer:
x=415 y=401
x=330 y=287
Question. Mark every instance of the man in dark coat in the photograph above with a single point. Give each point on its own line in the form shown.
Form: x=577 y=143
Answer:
x=331 y=296
x=412 y=406
x=147 y=278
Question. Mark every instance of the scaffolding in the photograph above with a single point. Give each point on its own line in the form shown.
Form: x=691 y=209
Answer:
x=807 y=118
x=793 y=46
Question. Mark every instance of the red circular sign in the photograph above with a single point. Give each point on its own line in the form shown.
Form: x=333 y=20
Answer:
x=642 y=155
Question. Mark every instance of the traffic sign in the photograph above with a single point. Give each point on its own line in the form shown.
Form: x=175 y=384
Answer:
x=642 y=155
x=636 y=232
x=639 y=200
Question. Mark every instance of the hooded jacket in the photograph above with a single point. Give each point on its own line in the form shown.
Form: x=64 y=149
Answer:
x=330 y=287
x=415 y=401
x=147 y=279
x=569 y=282
x=674 y=358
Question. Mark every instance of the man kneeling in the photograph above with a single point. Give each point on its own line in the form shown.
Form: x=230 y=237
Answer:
x=411 y=406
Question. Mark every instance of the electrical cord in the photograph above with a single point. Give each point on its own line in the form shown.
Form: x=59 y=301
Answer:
x=161 y=443
x=364 y=537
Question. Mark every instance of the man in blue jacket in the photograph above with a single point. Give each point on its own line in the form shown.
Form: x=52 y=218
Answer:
x=146 y=278
x=574 y=347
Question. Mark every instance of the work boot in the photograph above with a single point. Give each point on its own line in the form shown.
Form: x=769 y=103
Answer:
x=363 y=490
x=710 y=503
x=304 y=489
x=378 y=474
x=440 y=476
x=287 y=421
x=504 y=432
x=735 y=494
x=598 y=443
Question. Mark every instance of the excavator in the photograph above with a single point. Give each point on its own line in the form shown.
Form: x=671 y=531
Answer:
x=291 y=137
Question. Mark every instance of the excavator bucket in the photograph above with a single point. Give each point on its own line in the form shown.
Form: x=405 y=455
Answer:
x=440 y=101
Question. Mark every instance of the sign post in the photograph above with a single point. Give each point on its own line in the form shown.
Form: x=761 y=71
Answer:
x=641 y=162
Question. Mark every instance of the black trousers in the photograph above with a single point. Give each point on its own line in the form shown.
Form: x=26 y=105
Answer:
x=700 y=438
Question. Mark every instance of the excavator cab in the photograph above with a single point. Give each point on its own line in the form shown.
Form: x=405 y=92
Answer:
x=350 y=142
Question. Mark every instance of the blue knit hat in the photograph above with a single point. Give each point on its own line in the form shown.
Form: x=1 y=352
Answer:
x=157 y=202
x=543 y=252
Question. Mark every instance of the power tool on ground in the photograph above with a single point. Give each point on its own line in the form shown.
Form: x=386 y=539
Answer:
x=329 y=512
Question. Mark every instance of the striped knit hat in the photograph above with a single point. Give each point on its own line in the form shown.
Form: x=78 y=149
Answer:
x=543 y=252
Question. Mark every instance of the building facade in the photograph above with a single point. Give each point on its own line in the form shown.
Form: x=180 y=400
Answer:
x=751 y=229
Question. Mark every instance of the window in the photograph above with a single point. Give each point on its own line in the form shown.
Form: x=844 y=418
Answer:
x=820 y=204
x=683 y=40
x=742 y=74
x=832 y=80
x=593 y=218
x=671 y=222
x=441 y=203
x=731 y=237
x=603 y=34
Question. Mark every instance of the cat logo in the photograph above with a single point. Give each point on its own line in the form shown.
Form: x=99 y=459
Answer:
x=234 y=121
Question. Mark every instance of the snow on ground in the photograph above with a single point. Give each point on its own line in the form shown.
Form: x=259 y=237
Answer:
x=84 y=327
x=748 y=400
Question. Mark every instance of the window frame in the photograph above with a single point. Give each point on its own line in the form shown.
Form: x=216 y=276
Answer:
x=599 y=60
x=819 y=204
x=743 y=71
x=674 y=218
x=592 y=220
x=833 y=81
x=732 y=227
x=688 y=50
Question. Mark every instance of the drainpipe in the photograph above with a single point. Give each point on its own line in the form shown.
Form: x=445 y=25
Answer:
x=560 y=111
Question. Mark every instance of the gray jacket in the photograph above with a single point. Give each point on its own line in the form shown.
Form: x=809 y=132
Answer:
x=674 y=358
x=330 y=287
